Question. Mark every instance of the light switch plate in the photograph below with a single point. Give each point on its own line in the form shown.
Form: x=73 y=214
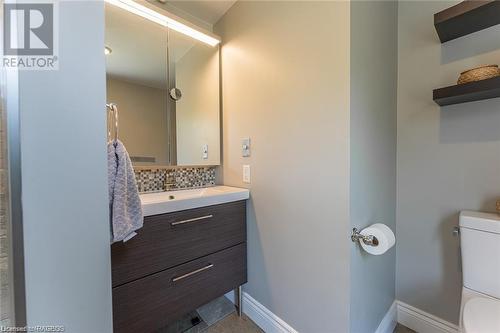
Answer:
x=245 y=147
x=205 y=151
x=246 y=174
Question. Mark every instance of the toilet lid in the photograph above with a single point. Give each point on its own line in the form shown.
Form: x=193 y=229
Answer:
x=482 y=315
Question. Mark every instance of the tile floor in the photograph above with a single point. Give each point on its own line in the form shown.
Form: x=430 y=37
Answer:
x=202 y=318
x=403 y=329
x=219 y=316
x=234 y=324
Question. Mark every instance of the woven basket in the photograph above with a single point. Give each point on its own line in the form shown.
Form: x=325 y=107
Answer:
x=479 y=73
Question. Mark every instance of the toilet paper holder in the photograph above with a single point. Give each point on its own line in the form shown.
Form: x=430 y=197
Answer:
x=367 y=239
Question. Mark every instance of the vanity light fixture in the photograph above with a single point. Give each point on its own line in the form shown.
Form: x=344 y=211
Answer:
x=107 y=50
x=152 y=15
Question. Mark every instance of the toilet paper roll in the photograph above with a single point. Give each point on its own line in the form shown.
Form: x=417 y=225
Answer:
x=384 y=235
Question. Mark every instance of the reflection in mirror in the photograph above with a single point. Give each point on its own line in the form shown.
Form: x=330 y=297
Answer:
x=144 y=63
x=194 y=70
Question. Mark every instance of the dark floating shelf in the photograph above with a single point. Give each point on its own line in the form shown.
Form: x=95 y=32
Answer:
x=468 y=92
x=465 y=18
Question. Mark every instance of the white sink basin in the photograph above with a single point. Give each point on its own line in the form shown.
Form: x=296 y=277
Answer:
x=172 y=201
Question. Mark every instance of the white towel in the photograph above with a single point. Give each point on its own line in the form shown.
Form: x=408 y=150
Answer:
x=124 y=202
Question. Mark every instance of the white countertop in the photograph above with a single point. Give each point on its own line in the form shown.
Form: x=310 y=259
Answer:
x=172 y=201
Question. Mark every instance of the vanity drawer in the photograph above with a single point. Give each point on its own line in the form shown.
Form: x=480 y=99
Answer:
x=171 y=239
x=153 y=302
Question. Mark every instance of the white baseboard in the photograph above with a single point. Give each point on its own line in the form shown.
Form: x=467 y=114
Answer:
x=262 y=316
x=421 y=321
x=389 y=321
x=399 y=312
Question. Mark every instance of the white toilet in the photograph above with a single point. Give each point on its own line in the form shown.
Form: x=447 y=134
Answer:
x=480 y=242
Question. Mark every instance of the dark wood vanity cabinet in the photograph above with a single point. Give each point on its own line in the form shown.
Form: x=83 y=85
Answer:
x=177 y=262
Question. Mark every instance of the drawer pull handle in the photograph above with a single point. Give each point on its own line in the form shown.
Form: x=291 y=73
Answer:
x=192 y=220
x=199 y=270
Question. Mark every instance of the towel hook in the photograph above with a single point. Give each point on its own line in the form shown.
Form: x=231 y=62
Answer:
x=113 y=109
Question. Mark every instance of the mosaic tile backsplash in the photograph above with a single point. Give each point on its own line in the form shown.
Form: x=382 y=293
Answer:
x=157 y=180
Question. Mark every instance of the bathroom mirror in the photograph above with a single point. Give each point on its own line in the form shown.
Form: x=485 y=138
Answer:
x=166 y=87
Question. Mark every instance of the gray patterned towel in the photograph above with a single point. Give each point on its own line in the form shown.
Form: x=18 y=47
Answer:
x=124 y=202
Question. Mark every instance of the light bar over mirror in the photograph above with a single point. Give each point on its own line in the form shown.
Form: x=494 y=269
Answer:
x=166 y=21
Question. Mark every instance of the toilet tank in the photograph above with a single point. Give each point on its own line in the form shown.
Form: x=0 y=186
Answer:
x=480 y=244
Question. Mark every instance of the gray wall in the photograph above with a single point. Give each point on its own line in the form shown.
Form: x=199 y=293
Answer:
x=285 y=72
x=65 y=201
x=373 y=155
x=448 y=157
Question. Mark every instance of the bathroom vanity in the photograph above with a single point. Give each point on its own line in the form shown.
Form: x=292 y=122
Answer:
x=180 y=259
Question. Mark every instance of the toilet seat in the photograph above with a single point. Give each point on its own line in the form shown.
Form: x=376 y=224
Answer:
x=481 y=315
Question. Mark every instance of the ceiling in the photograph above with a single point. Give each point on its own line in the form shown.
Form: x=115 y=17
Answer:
x=207 y=11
